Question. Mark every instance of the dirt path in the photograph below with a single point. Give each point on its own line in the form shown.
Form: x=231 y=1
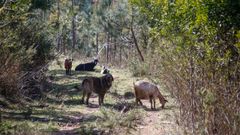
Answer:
x=72 y=127
x=158 y=122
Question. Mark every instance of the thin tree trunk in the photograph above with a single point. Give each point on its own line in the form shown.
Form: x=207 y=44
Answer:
x=191 y=87
x=120 y=55
x=107 y=48
x=97 y=43
x=115 y=49
x=136 y=44
x=73 y=32
x=73 y=28
x=64 y=48
x=110 y=50
x=134 y=38
x=58 y=23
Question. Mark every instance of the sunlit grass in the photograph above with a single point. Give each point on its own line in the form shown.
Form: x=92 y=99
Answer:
x=63 y=111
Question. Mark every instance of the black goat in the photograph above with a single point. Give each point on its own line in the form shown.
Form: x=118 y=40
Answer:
x=87 y=66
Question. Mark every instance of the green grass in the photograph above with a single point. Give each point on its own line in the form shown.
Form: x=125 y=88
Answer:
x=61 y=111
x=62 y=106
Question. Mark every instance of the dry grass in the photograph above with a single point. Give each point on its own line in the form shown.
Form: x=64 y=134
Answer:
x=62 y=112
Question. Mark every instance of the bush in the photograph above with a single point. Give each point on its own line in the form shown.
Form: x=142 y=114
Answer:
x=118 y=121
x=138 y=69
x=24 y=50
x=9 y=128
x=198 y=54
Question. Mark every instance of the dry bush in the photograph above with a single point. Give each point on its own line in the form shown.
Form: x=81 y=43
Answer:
x=207 y=90
x=208 y=96
x=9 y=73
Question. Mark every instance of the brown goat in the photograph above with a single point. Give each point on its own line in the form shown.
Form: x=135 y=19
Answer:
x=68 y=66
x=97 y=85
x=146 y=90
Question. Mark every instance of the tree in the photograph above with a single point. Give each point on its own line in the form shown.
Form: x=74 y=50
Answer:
x=198 y=53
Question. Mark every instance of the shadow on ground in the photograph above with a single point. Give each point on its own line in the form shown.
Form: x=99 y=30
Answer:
x=61 y=72
x=50 y=115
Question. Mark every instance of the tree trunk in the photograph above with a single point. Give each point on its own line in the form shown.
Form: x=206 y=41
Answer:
x=97 y=44
x=107 y=48
x=64 y=47
x=73 y=33
x=120 y=55
x=110 y=50
x=115 y=49
x=73 y=28
x=58 y=23
x=192 y=90
x=136 y=44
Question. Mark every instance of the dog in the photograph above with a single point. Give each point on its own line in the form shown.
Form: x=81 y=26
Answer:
x=98 y=85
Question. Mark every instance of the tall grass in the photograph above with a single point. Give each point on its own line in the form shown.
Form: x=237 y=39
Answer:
x=118 y=122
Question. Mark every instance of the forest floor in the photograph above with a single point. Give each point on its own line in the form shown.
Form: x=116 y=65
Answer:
x=61 y=112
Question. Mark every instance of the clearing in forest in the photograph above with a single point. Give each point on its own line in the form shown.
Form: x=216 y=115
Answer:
x=61 y=112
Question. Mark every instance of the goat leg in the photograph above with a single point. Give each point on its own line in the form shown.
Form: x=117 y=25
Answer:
x=88 y=96
x=84 y=93
x=137 y=101
x=150 y=98
x=154 y=103
x=102 y=98
x=140 y=102
x=99 y=100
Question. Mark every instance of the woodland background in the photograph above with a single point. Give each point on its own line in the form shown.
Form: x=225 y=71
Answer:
x=191 y=46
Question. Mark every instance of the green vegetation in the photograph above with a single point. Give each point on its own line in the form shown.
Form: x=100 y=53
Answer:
x=191 y=48
x=197 y=48
x=60 y=111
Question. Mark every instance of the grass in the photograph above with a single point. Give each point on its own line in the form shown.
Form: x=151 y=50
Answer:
x=61 y=108
x=61 y=112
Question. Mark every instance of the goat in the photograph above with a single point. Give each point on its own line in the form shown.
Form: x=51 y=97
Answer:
x=87 y=66
x=97 y=85
x=147 y=90
x=104 y=70
x=68 y=66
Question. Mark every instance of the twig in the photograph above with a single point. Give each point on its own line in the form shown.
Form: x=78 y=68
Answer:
x=124 y=108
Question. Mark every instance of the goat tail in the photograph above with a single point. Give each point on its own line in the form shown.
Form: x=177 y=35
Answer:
x=84 y=81
x=134 y=83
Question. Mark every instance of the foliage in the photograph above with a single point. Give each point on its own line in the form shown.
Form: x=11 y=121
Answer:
x=138 y=70
x=118 y=121
x=192 y=46
x=41 y=4
x=25 y=44
x=8 y=128
x=197 y=49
